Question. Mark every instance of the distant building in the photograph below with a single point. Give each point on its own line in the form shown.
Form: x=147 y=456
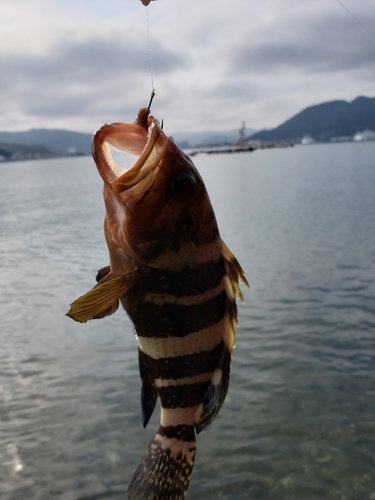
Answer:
x=17 y=156
x=241 y=136
x=366 y=135
x=342 y=138
x=307 y=139
x=256 y=144
x=72 y=151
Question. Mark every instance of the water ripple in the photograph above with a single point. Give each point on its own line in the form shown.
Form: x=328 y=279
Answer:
x=298 y=421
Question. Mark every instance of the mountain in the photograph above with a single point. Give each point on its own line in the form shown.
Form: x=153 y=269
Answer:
x=23 y=152
x=324 y=121
x=65 y=142
x=321 y=122
x=59 y=142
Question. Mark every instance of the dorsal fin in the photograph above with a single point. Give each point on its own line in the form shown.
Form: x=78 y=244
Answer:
x=234 y=271
x=218 y=387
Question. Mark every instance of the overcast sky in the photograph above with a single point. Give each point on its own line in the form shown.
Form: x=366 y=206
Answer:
x=77 y=64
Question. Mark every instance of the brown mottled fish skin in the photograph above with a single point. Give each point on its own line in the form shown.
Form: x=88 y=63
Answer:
x=178 y=282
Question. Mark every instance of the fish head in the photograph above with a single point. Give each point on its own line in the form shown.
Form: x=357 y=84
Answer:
x=158 y=212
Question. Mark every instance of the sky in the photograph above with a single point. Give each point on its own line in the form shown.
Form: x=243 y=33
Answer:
x=76 y=64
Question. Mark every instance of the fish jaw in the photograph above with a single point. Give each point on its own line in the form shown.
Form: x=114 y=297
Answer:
x=142 y=139
x=146 y=218
x=122 y=188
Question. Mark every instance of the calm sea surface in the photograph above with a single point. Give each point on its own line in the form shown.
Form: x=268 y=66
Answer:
x=299 y=419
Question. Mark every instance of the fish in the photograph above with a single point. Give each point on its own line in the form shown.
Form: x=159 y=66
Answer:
x=178 y=283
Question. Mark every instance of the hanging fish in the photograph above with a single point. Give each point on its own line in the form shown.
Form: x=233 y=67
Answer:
x=178 y=282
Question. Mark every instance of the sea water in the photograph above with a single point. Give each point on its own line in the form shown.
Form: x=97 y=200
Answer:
x=299 y=418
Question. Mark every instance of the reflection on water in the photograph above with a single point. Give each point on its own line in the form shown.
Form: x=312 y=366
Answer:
x=298 y=421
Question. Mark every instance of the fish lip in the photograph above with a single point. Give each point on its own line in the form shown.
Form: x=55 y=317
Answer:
x=143 y=139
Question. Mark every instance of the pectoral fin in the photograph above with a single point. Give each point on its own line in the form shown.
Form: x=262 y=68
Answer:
x=102 y=299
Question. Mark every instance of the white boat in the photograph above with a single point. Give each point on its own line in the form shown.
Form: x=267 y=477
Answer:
x=366 y=135
x=307 y=139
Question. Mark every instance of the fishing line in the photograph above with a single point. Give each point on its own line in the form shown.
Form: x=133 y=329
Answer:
x=356 y=20
x=153 y=91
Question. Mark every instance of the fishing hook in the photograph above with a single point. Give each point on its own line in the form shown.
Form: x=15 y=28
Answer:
x=153 y=94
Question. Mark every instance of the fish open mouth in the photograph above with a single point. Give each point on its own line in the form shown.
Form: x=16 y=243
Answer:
x=143 y=140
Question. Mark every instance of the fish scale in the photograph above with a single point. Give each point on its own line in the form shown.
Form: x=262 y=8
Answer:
x=178 y=283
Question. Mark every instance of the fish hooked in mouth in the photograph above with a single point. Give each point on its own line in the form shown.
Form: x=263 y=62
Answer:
x=177 y=281
x=143 y=139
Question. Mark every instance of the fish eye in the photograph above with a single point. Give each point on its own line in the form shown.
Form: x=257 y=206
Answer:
x=183 y=186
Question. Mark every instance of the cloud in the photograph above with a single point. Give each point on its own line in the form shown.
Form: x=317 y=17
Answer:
x=70 y=64
x=95 y=60
x=324 y=46
x=80 y=76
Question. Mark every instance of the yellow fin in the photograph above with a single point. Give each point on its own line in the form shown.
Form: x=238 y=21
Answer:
x=101 y=298
x=234 y=270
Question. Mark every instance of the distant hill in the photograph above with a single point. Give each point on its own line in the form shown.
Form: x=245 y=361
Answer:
x=63 y=142
x=321 y=122
x=324 y=121
x=23 y=151
x=59 y=142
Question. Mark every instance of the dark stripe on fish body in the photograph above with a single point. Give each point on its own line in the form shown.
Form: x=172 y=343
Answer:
x=182 y=396
x=173 y=320
x=185 y=282
x=181 y=432
x=188 y=365
x=209 y=236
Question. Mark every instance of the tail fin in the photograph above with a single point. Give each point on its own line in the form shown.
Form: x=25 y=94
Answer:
x=165 y=469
